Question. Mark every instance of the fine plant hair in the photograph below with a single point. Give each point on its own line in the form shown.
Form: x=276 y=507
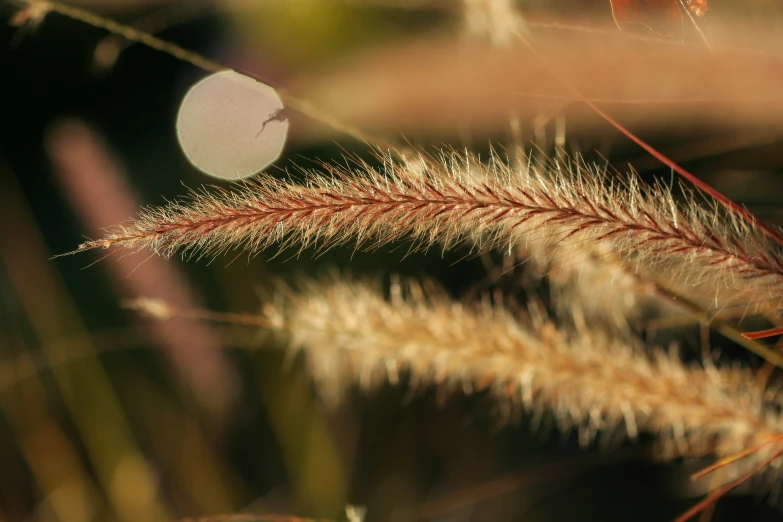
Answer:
x=556 y=206
x=607 y=292
x=602 y=386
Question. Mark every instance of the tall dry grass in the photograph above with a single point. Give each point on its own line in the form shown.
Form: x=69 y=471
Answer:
x=581 y=225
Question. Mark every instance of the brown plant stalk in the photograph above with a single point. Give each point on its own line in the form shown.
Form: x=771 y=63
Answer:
x=703 y=252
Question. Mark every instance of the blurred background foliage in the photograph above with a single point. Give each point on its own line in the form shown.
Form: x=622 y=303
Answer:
x=104 y=416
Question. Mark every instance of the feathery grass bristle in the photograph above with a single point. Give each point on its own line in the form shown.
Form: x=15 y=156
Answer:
x=557 y=207
x=597 y=384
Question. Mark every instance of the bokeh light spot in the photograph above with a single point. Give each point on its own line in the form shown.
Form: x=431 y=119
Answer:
x=230 y=126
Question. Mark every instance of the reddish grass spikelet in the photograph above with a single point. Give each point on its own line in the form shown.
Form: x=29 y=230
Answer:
x=558 y=208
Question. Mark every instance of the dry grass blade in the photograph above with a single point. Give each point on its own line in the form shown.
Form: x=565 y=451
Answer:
x=374 y=88
x=725 y=489
x=763 y=334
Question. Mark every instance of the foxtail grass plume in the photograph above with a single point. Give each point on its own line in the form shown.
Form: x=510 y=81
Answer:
x=605 y=388
x=701 y=250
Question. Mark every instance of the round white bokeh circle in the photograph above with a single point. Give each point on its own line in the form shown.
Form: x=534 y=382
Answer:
x=230 y=126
